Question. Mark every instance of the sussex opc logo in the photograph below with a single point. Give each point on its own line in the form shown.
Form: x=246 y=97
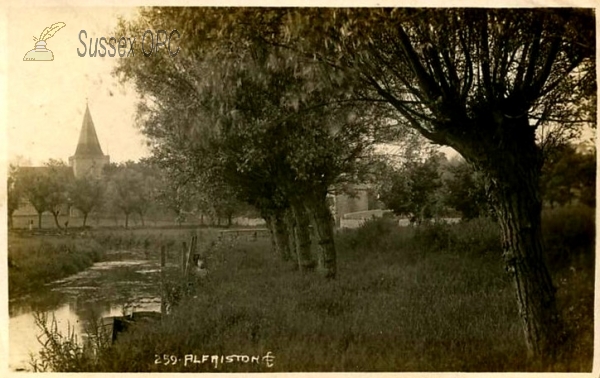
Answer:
x=40 y=52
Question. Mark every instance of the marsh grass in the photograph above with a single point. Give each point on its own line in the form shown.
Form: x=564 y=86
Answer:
x=38 y=259
x=150 y=241
x=67 y=352
x=35 y=261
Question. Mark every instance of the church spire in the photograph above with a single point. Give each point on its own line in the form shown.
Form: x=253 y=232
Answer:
x=88 y=144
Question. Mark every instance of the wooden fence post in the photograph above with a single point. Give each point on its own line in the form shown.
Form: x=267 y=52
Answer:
x=163 y=301
x=183 y=258
x=191 y=254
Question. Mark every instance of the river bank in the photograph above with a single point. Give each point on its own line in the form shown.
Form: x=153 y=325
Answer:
x=435 y=298
x=75 y=305
x=81 y=277
x=35 y=260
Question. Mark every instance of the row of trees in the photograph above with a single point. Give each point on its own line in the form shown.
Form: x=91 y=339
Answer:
x=122 y=190
x=233 y=116
x=278 y=105
x=46 y=189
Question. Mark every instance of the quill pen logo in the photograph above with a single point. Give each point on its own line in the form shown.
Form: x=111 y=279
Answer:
x=41 y=53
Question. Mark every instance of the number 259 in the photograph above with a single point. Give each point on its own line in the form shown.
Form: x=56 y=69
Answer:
x=166 y=359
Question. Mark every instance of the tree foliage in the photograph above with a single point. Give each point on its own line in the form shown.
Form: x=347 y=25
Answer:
x=125 y=191
x=58 y=178
x=46 y=188
x=86 y=194
x=569 y=175
x=413 y=190
x=233 y=115
x=465 y=190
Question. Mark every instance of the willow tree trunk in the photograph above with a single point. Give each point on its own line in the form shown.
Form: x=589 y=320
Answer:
x=290 y=222
x=519 y=212
x=512 y=166
x=40 y=220
x=306 y=262
x=282 y=235
x=85 y=215
x=318 y=208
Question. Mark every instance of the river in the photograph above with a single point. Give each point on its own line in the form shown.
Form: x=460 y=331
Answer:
x=109 y=288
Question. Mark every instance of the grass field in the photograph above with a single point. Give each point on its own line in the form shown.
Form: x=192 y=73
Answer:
x=93 y=221
x=22 y=222
x=400 y=311
x=434 y=299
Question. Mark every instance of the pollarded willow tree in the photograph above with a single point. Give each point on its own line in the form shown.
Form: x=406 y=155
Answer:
x=232 y=109
x=85 y=194
x=482 y=81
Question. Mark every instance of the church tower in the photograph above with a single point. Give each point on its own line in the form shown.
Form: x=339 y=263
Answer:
x=89 y=158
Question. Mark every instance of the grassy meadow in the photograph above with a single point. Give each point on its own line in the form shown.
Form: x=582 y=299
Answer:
x=388 y=311
x=22 y=221
x=430 y=299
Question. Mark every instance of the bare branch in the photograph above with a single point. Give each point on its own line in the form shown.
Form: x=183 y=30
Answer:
x=428 y=85
x=485 y=59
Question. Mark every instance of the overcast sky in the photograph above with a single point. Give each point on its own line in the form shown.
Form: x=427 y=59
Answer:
x=46 y=100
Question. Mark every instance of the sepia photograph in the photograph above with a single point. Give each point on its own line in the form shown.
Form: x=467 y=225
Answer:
x=299 y=189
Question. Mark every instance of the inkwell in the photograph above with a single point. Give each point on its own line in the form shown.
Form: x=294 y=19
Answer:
x=41 y=53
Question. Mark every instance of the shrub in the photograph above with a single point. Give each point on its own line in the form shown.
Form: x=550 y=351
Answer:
x=34 y=262
x=375 y=234
x=568 y=233
x=477 y=236
x=432 y=236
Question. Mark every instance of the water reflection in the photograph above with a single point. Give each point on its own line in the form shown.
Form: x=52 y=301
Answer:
x=43 y=300
x=106 y=289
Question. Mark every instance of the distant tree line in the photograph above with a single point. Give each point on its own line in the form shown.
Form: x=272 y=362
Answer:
x=435 y=187
x=121 y=191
